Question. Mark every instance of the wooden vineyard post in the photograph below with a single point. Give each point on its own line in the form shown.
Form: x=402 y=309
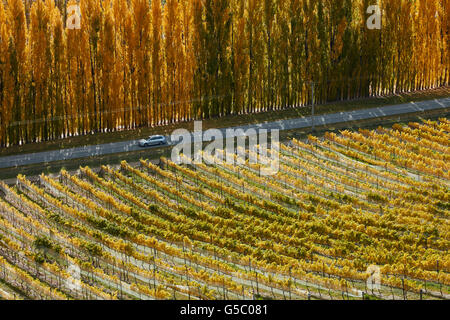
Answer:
x=154 y=274
x=290 y=281
x=312 y=105
x=250 y=272
x=223 y=288
x=257 y=287
x=403 y=288
x=187 y=282
x=437 y=270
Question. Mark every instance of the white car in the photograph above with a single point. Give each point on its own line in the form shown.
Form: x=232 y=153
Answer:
x=153 y=141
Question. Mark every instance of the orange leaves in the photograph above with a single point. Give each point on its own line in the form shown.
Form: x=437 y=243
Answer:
x=135 y=64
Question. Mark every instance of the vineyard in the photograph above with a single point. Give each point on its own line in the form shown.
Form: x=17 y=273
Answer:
x=343 y=208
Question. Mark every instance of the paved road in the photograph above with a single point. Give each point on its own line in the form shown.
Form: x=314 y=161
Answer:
x=299 y=123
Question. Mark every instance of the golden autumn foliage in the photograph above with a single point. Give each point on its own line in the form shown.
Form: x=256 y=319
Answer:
x=330 y=221
x=137 y=63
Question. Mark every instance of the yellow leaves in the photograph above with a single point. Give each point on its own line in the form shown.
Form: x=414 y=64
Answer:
x=339 y=41
x=14 y=273
x=333 y=230
x=187 y=242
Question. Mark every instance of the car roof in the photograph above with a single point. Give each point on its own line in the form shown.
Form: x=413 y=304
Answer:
x=156 y=136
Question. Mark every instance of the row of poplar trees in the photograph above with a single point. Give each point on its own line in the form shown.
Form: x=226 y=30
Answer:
x=135 y=63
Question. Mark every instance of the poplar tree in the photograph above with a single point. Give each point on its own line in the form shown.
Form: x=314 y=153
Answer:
x=5 y=79
x=173 y=58
x=159 y=114
x=107 y=59
x=269 y=12
x=18 y=56
x=58 y=72
x=142 y=51
x=256 y=71
x=240 y=57
x=187 y=63
x=40 y=60
x=92 y=18
x=218 y=66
